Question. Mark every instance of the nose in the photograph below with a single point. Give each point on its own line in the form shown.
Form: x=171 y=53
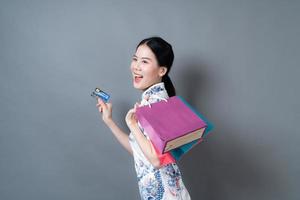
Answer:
x=136 y=66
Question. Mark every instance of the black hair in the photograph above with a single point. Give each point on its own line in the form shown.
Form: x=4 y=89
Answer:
x=164 y=54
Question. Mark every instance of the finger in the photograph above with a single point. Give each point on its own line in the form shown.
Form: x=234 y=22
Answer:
x=147 y=97
x=101 y=103
x=130 y=112
x=136 y=105
x=99 y=108
x=99 y=100
x=109 y=105
x=133 y=110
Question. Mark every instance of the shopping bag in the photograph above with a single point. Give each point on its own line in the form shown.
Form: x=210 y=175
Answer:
x=164 y=158
x=171 y=125
x=177 y=153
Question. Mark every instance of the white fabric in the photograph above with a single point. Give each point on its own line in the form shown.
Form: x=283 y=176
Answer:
x=156 y=184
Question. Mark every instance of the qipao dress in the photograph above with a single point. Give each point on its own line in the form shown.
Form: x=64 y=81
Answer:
x=166 y=182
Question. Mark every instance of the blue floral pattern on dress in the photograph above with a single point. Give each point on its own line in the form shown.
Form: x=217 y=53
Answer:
x=154 y=90
x=173 y=177
x=164 y=183
x=149 y=179
x=152 y=187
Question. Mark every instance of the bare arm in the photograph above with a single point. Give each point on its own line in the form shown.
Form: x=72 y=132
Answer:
x=143 y=142
x=106 y=110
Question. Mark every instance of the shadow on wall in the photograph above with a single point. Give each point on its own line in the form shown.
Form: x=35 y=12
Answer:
x=222 y=167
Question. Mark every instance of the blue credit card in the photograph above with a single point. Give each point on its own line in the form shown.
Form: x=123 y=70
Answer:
x=101 y=94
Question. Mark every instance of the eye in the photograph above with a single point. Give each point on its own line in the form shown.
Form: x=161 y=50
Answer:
x=134 y=59
x=144 y=61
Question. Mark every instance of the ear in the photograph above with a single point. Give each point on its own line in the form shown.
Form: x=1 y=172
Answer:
x=162 y=71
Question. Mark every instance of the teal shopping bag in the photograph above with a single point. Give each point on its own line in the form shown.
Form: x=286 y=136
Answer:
x=180 y=151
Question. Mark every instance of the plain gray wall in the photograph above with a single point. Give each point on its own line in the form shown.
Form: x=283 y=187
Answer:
x=235 y=61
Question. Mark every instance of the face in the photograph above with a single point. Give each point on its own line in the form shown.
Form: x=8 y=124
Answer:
x=145 y=69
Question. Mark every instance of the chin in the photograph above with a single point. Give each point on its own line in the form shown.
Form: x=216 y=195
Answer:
x=140 y=86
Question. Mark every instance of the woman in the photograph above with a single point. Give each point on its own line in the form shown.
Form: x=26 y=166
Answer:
x=150 y=67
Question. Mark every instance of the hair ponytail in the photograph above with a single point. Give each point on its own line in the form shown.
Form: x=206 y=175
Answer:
x=169 y=85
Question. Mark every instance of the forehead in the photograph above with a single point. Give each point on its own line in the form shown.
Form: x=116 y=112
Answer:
x=144 y=51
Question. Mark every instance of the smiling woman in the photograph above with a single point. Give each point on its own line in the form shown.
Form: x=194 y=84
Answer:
x=161 y=54
x=150 y=66
x=145 y=68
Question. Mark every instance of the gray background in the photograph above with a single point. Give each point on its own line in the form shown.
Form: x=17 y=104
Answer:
x=235 y=61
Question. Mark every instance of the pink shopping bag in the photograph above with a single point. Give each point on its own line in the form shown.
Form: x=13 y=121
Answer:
x=170 y=124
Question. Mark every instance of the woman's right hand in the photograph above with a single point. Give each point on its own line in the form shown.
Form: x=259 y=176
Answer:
x=105 y=109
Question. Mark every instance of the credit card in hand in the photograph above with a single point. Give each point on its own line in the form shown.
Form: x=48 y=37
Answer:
x=101 y=94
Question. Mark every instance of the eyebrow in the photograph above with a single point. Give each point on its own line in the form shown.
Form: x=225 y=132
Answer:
x=146 y=58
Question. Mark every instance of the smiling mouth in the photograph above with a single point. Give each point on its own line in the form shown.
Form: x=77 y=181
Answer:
x=137 y=77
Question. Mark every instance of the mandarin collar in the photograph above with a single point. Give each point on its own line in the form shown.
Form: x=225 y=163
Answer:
x=157 y=89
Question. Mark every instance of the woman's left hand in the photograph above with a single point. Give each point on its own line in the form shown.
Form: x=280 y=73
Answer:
x=131 y=117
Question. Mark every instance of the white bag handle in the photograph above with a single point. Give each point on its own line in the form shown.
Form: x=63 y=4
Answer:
x=144 y=101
